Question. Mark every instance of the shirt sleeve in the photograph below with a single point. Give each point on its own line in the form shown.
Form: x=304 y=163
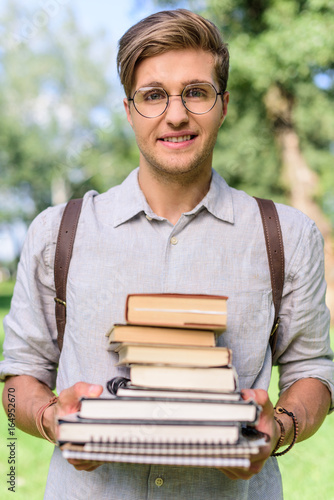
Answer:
x=30 y=345
x=303 y=349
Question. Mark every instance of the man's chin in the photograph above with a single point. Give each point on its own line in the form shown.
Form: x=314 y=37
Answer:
x=176 y=173
x=176 y=168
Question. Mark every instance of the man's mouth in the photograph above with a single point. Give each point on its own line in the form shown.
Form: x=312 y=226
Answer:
x=181 y=138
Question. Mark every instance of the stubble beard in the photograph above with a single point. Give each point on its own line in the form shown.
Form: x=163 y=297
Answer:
x=181 y=172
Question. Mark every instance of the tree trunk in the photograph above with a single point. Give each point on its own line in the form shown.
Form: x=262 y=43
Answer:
x=301 y=182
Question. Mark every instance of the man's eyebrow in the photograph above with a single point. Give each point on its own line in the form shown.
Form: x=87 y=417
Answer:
x=152 y=84
x=182 y=84
x=190 y=82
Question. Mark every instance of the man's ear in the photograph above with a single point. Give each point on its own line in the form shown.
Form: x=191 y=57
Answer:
x=226 y=98
x=127 y=110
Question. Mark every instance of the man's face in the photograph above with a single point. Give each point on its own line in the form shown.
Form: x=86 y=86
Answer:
x=196 y=134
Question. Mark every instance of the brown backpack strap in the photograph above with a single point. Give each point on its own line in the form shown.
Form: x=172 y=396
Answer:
x=65 y=241
x=275 y=251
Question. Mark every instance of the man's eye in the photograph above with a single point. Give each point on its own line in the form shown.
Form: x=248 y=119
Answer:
x=154 y=95
x=196 y=93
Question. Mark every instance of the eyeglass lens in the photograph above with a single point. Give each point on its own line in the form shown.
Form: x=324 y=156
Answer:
x=153 y=101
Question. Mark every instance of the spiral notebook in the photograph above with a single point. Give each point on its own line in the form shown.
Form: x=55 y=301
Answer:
x=190 y=461
x=165 y=453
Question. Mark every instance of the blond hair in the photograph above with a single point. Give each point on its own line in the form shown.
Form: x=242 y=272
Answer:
x=170 y=30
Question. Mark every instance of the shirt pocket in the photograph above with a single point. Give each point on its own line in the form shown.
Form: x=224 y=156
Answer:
x=249 y=319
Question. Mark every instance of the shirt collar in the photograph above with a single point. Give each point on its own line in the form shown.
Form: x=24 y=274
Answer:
x=218 y=200
x=130 y=200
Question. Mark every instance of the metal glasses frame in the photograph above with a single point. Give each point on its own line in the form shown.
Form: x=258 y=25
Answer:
x=177 y=95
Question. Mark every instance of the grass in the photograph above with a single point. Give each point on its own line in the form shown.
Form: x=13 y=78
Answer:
x=307 y=470
x=32 y=454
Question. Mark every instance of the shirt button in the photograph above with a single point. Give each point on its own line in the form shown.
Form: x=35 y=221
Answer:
x=173 y=240
x=148 y=217
x=159 y=481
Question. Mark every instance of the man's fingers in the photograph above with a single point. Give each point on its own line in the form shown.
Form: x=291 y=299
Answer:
x=260 y=396
x=69 y=399
x=265 y=425
x=239 y=473
x=84 y=465
x=81 y=389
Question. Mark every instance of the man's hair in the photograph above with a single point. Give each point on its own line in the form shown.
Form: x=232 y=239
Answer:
x=170 y=30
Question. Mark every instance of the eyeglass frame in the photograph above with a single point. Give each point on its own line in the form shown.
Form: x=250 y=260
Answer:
x=177 y=95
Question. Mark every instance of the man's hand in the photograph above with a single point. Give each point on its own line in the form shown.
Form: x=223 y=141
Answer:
x=69 y=402
x=267 y=425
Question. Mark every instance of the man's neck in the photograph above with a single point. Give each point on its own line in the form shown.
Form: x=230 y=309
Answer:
x=170 y=198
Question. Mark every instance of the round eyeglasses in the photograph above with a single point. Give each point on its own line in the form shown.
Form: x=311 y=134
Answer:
x=197 y=98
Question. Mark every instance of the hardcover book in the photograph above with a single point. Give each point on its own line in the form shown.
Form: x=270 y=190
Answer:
x=131 y=391
x=169 y=409
x=186 y=378
x=180 y=310
x=173 y=355
x=161 y=335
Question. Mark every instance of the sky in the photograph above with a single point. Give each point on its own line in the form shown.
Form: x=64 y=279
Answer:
x=114 y=16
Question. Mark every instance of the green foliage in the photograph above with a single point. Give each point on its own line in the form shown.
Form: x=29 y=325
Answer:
x=284 y=44
x=246 y=154
x=276 y=44
x=108 y=158
x=55 y=102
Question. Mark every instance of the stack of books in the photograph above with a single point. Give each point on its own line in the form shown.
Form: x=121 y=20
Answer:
x=181 y=405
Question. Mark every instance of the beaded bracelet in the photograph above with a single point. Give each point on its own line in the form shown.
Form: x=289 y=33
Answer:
x=280 y=409
x=39 y=419
x=282 y=436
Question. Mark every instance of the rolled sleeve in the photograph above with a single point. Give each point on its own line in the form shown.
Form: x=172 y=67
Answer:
x=304 y=347
x=30 y=345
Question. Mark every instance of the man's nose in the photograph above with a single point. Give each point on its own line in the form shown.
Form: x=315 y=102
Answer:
x=176 y=113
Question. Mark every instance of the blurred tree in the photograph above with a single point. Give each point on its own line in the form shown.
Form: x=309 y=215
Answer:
x=278 y=139
x=55 y=110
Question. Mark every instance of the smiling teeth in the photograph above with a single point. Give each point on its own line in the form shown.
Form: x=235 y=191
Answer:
x=178 y=139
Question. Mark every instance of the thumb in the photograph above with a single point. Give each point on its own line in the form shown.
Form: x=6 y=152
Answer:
x=82 y=389
x=69 y=399
x=260 y=396
x=94 y=390
x=248 y=394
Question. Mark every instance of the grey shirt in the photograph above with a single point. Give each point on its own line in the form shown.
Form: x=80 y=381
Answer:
x=122 y=247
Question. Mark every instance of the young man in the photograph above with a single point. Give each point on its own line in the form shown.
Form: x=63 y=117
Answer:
x=172 y=226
